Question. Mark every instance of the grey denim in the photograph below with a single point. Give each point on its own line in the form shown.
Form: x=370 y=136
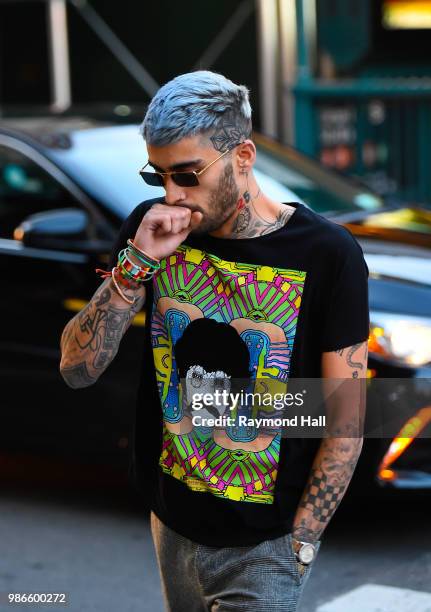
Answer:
x=198 y=578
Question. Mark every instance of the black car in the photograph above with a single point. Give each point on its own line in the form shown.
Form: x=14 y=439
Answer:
x=66 y=186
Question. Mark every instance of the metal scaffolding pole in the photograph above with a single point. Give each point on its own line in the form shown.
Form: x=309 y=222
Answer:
x=307 y=38
x=59 y=55
x=288 y=71
x=307 y=60
x=268 y=49
x=225 y=36
x=117 y=47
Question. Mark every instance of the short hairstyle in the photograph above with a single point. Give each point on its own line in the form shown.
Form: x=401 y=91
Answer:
x=201 y=102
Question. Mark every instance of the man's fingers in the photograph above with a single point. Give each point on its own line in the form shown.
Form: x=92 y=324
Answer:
x=162 y=222
x=196 y=219
x=178 y=225
x=162 y=219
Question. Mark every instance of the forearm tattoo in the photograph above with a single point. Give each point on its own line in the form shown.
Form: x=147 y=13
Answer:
x=78 y=376
x=326 y=486
x=91 y=339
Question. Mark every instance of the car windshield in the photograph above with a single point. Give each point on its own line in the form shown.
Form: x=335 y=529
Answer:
x=106 y=161
x=322 y=190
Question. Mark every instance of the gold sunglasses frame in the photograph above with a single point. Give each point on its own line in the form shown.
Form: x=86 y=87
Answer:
x=197 y=173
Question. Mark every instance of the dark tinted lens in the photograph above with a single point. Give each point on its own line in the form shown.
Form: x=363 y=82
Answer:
x=151 y=178
x=185 y=179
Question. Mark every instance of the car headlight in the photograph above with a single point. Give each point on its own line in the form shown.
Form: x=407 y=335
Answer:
x=400 y=337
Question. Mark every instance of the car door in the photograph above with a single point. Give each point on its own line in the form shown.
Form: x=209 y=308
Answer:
x=42 y=288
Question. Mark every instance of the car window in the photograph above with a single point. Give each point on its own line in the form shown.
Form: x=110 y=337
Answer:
x=25 y=189
x=318 y=188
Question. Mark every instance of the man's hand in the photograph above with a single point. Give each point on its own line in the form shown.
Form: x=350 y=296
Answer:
x=164 y=228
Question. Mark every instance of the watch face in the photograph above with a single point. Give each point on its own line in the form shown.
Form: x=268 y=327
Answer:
x=306 y=553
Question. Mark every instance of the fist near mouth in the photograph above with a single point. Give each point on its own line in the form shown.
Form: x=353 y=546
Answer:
x=164 y=228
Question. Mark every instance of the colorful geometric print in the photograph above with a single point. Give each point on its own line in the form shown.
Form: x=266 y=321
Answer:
x=205 y=466
x=262 y=304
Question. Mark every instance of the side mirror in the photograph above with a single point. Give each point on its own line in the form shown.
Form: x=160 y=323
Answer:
x=65 y=229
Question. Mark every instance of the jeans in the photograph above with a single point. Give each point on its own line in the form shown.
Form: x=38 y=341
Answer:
x=197 y=578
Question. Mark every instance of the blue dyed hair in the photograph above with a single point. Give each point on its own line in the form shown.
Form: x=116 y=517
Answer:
x=200 y=102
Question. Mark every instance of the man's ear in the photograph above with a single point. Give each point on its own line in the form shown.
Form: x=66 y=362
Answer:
x=246 y=155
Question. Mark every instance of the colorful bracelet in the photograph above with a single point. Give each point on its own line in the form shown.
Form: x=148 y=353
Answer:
x=117 y=287
x=126 y=253
x=132 y=272
x=103 y=273
x=129 y=269
x=152 y=262
x=142 y=261
x=125 y=282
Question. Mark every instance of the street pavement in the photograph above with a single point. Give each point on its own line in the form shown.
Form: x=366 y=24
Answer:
x=95 y=546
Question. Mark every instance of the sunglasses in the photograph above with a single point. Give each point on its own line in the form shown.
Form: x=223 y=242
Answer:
x=182 y=179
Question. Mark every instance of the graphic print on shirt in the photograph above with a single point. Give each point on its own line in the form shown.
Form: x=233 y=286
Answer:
x=215 y=322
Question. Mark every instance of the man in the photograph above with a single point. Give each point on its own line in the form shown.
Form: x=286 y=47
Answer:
x=249 y=287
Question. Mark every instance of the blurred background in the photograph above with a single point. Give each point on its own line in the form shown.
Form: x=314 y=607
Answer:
x=341 y=97
x=345 y=82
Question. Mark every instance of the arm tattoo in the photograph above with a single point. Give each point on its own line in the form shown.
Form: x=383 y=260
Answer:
x=90 y=322
x=104 y=297
x=337 y=457
x=354 y=364
x=78 y=376
x=321 y=498
x=326 y=486
x=91 y=339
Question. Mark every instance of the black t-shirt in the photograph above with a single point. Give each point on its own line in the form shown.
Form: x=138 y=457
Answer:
x=286 y=296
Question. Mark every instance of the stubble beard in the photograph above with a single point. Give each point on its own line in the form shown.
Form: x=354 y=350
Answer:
x=222 y=203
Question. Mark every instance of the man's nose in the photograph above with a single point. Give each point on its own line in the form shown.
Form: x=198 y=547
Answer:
x=174 y=193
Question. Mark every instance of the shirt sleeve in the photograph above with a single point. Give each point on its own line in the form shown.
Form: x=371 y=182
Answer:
x=347 y=319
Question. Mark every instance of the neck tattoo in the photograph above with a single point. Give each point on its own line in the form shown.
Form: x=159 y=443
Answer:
x=249 y=223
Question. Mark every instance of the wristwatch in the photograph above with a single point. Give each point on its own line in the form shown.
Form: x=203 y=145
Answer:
x=304 y=551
